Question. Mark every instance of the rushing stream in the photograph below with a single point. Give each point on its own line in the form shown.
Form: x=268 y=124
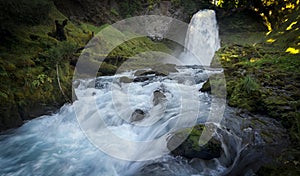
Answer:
x=107 y=131
x=56 y=145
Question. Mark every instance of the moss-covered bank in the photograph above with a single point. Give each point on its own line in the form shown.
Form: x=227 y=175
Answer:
x=262 y=76
x=36 y=67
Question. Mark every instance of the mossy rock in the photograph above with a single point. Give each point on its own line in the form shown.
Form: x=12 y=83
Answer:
x=107 y=69
x=206 y=87
x=245 y=93
x=190 y=147
x=215 y=85
x=164 y=69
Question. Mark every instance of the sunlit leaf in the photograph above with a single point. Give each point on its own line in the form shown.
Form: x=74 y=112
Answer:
x=292 y=50
x=291 y=25
x=252 y=60
x=271 y=40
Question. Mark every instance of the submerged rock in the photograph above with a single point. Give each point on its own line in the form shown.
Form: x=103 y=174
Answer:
x=190 y=148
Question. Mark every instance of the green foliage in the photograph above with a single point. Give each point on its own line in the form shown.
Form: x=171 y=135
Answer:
x=28 y=56
x=249 y=85
x=273 y=12
x=3 y=95
x=63 y=50
x=192 y=6
x=23 y=12
x=245 y=93
x=176 y=3
x=130 y=8
x=3 y=71
x=272 y=88
x=189 y=6
x=90 y=27
x=41 y=79
x=107 y=69
x=114 y=11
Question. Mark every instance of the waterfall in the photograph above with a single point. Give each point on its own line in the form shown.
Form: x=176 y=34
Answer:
x=202 y=39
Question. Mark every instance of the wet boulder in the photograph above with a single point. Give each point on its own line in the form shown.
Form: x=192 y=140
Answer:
x=206 y=87
x=190 y=148
x=215 y=85
x=137 y=115
x=158 y=97
x=125 y=79
x=141 y=79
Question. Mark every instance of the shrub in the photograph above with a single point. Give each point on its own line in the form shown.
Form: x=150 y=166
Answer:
x=63 y=50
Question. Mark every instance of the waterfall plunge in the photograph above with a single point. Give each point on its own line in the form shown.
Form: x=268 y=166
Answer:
x=202 y=39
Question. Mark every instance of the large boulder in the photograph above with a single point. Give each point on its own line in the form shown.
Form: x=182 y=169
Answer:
x=190 y=147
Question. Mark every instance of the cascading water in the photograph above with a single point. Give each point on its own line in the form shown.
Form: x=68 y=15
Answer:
x=202 y=39
x=57 y=145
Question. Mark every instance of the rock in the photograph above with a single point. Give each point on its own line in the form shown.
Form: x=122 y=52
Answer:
x=166 y=69
x=125 y=79
x=73 y=61
x=206 y=87
x=141 y=79
x=10 y=117
x=148 y=72
x=190 y=148
x=139 y=72
x=158 y=97
x=137 y=115
x=216 y=85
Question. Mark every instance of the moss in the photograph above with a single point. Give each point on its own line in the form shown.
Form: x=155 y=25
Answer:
x=206 y=87
x=114 y=12
x=245 y=93
x=107 y=69
x=190 y=148
x=139 y=45
x=28 y=66
x=216 y=85
x=262 y=77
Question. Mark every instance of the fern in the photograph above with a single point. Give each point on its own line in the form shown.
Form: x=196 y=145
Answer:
x=249 y=85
